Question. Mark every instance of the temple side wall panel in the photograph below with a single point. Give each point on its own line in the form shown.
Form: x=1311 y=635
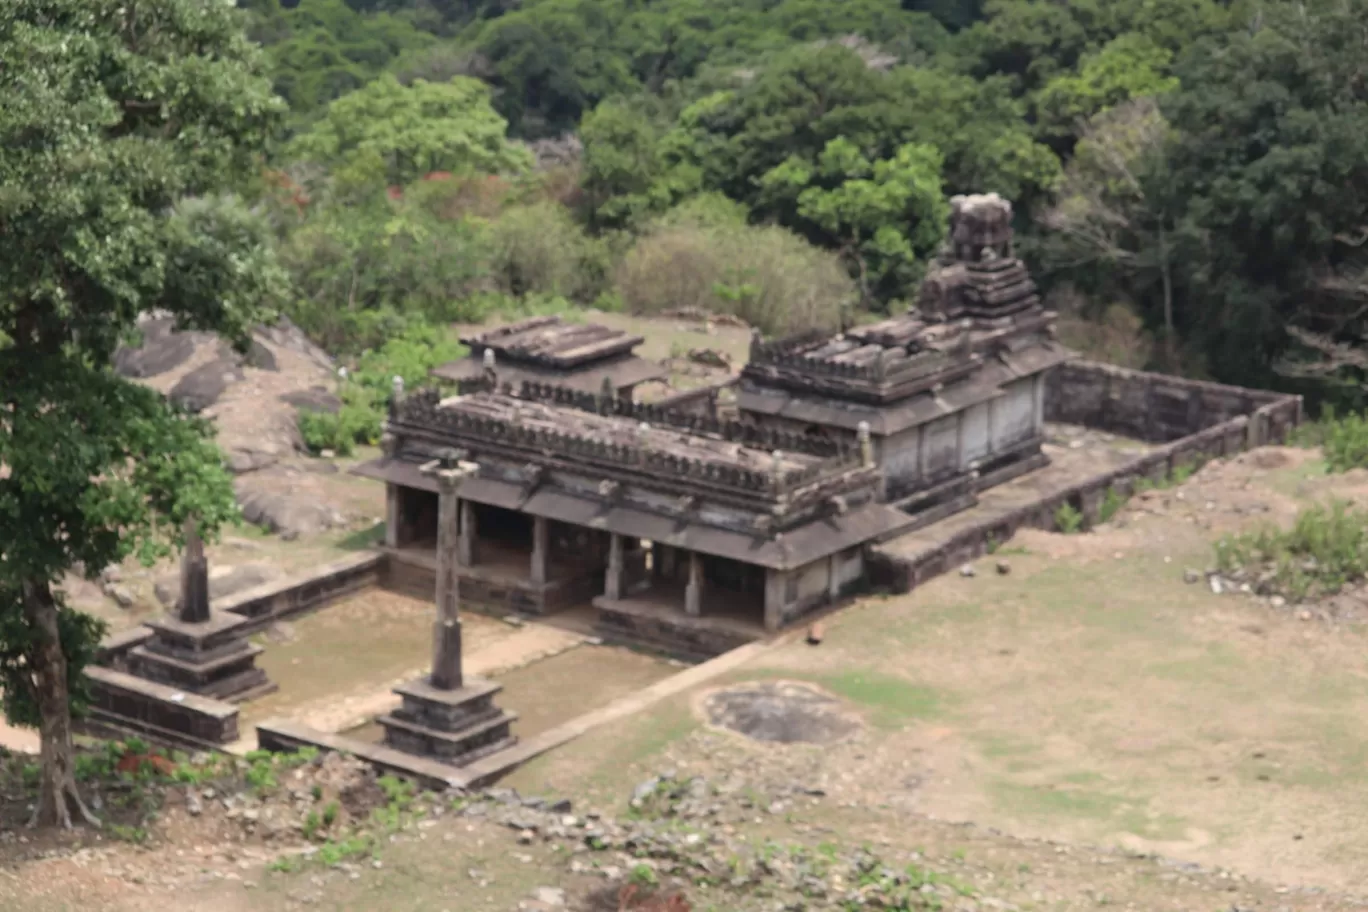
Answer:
x=1014 y=418
x=900 y=457
x=974 y=434
x=942 y=447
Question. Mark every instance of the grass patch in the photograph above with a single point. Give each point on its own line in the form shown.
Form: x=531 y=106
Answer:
x=1123 y=812
x=1343 y=441
x=1325 y=550
x=894 y=700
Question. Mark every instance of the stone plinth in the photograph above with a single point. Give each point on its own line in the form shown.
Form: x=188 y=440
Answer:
x=211 y=658
x=455 y=726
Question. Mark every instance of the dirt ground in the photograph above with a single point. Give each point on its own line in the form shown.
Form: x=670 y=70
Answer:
x=1090 y=695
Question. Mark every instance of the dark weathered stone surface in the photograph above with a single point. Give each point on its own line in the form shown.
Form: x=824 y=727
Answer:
x=261 y=357
x=315 y=399
x=160 y=349
x=784 y=712
x=203 y=386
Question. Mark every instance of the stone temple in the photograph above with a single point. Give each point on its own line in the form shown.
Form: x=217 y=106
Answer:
x=952 y=392
x=700 y=533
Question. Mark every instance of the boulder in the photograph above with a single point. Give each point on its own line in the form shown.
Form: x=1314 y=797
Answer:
x=223 y=581
x=267 y=501
x=261 y=357
x=313 y=399
x=161 y=350
x=203 y=386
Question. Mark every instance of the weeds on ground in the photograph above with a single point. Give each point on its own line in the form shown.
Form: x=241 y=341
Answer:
x=1344 y=441
x=1068 y=519
x=1326 y=549
x=360 y=841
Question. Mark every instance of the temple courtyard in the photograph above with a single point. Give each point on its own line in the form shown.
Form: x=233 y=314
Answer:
x=1087 y=700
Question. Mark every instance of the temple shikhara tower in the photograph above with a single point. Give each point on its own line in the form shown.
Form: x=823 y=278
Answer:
x=952 y=392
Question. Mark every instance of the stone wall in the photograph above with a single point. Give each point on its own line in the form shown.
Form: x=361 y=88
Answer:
x=294 y=595
x=1269 y=422
x=158 y=712
x=1154 y=407
x=120 y=701
x=702 y=400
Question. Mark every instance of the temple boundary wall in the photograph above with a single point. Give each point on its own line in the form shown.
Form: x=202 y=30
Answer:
x=1194 y=421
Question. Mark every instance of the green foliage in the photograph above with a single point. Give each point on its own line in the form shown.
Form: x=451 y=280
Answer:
x=1129 y=66
x=1112 y=502
x=400 y=133
x=1344 y=441
x=884 y=216
x=538 y=249
x=1325 y=550
x=1274 y=223
x=1068 y=519
x=767 y=276
x=322 y=49
x=366 y=389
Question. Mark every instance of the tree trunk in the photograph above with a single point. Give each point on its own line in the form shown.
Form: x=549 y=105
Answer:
x=1166 y=275
x=57 y=795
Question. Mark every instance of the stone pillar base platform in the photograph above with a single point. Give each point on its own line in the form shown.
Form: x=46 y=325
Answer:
x=456 y=727
x=211 y=658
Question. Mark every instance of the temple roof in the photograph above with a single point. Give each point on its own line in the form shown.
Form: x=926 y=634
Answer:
x=548 y=349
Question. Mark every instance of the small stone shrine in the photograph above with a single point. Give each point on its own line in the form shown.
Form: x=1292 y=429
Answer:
x=445 y=715
x=197 y=650
x=581 y=356
x=952 y=393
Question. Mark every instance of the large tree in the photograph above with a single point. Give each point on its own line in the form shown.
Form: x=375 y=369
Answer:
x=123 y=124
x=1270 y=173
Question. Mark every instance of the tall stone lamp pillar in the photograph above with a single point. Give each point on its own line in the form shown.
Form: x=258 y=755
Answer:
x=194 y=607
x=446 y=636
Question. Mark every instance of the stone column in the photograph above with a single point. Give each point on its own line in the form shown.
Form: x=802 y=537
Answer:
x=693 y=590
x=612 y=578
x=446 y=634
x=776 y=590
x=392 y=515
x=194 y=606
x=834 y=578
x=465 y=544
x=541 y=546
x=1038 y=404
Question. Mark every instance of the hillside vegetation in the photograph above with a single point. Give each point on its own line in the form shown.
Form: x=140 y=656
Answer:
x=1187 y=174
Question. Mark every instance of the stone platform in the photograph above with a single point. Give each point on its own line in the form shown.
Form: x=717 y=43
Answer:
x=210 y=658
x=455 y=727
x=659 y=624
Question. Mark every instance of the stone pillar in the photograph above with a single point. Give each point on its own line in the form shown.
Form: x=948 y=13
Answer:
x=465 y=543
x=693 y=590
x=776 y=590
x=866 y=444
x=612 y=577
x=194 y=606
x=1038 y=404
x=541 y=547
x=393 y=515
x=834 y=577
x=446 y=634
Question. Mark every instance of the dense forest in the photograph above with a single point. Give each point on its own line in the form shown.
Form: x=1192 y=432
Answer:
x=1190 y=177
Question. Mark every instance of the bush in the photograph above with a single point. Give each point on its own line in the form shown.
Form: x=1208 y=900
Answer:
x=767 y=276
x=1343 y=441
x=539 y=249
x=1326 y=549
x=1068 y=519
x=366 y=389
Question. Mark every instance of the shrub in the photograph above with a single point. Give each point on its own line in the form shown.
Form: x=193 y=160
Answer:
x=1326 y=549
x=1344 y=441
x=366 y=390
x=539 y=249
x=1068 y=519
x=767 y=276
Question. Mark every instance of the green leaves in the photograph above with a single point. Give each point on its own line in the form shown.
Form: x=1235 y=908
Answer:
x=400 y=133
x=884 y=215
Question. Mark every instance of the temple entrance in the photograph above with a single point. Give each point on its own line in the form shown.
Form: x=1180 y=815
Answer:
x=417 y=520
